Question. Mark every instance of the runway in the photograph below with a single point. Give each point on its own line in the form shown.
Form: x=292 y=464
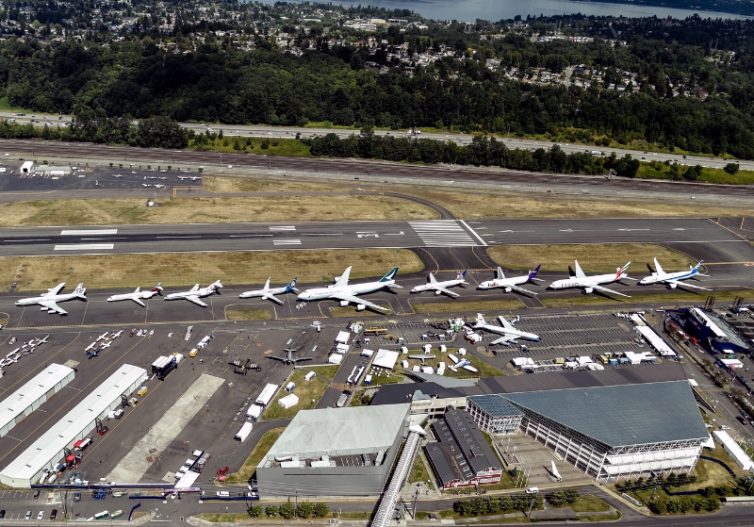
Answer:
x=364 y=169
x=701 y=238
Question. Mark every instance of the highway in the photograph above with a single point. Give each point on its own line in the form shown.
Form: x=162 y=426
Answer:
x=285 y=132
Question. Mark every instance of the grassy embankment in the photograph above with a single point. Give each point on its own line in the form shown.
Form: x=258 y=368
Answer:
x=209 y=210
x=181 y=269
x=660 y=170
x=308 y=392
x=250 y=465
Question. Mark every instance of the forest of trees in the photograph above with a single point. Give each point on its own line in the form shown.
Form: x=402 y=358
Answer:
x=219 y=82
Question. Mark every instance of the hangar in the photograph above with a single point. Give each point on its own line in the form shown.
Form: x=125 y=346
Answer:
x=335 y=452
x=610 y=432
x=50 y=447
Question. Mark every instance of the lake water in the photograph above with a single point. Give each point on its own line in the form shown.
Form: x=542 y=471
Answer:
x=494 y=10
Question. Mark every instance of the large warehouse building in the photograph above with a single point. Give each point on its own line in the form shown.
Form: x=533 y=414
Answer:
x=609 y=432
x=32 y=395
x=335 y=452
x=50 y=447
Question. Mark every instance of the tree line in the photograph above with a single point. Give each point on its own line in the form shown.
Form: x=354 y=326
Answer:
x=482 y=151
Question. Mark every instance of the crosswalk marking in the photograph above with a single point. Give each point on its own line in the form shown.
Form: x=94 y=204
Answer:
x=442 y=233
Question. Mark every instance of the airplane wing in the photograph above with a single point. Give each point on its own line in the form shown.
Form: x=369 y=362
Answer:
x=687 y=285
x=342 y=280
x=356 y=300
x=273 y=298
x=506 y=340
x=55 y=290
x=522 y=291
x=505 y=323
x=138 y=301
x=445 y=291
x=195 y=300
x=604 y=290
x=52 y=307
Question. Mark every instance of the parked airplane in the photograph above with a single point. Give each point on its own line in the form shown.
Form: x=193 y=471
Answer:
x=289 y=358
x=461 y=363
x=442 y=287
x=348 y=294
x=512 y=283
x=49 y=300
x=138 y=295
x=422 y=357
x=267 y=293
x=196 y=292
x=510 y=333
x=673 y=280
x=593 y=283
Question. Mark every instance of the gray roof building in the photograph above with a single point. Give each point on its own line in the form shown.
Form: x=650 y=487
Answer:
x=461 y=456
x=334 y=452
x=632 y=414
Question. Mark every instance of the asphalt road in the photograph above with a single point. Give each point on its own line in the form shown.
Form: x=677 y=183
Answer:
x=285 y=132
x=701 y=238
x=369 y=169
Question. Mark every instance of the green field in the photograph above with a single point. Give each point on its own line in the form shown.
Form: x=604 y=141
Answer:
x=308 y=392
x=661 y=170
x=253 y=145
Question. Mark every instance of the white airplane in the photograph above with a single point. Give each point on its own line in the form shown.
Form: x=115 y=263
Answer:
x=510 y=333
x=442 y=287
x=673 y=280
x=268 y=293
x=512 y=283
x=196 y=292
x=117 y=334
x=593 y=283
x=461 y=363
x=102 y=337
x=90 y=346
x=138 y=295
x=106 y=344
x=348 y=294
x=49 y=300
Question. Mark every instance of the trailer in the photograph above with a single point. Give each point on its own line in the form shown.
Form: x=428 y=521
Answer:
x=254 y=412
x=267 y=394
x=164 y=365
x=244 y=432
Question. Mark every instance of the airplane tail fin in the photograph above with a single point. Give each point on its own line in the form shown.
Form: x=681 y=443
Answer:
x=80 y=291
x=621 y=272
x=698 y=265
x=217 y=285
x=533 y=274
x=390 y=275
x=499 y=274
x=292 y=285
x=480 y=319
x=158 y=289
x=462 y=275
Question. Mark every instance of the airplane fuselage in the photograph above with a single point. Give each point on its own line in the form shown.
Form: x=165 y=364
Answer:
x=504 y=283
x=323 y=293
x=50 y=298
x=585 y=282
x=507 y=331
x=201 y=293
x=436 y=286
x=656 y=278
x=263 y=292
x=142 y=295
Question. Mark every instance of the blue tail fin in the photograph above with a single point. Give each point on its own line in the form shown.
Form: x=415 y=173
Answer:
x=699 y=265
x=291 y=285
x=533 y=274
x=390 y=275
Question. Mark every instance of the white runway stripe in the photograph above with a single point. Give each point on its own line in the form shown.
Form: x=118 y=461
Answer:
x=442 y=233
x=84 y=247
x=87 y=232
x=287 y=241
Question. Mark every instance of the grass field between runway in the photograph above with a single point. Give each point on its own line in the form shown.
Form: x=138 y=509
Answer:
x=594 y=257
x=185 y=269
x=539 y=205
x=210 y=210
x=467 y=306
x=654 y=295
